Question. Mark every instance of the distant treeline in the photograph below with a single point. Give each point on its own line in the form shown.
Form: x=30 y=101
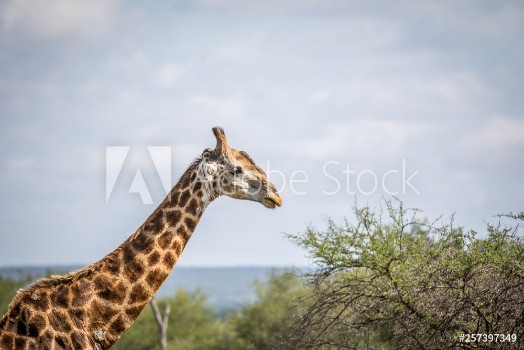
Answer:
x=209 y=280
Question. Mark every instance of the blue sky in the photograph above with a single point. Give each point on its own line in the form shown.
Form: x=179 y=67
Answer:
x=383 y=92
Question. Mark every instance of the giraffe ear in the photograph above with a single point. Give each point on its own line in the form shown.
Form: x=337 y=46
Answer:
x=222 y=148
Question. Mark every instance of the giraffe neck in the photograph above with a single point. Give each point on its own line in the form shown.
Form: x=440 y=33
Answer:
x=137 y=269
x=92 y=308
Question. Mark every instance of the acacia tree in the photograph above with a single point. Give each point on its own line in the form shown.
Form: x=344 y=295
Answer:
x=264 y=324
x=392 y=281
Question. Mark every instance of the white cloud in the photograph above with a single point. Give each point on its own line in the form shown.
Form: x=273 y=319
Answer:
x=231 y=107
x=498 y=134
x=358 y=86
x=168 y=75
x=279 y=6
x=498 y=22
x=365 y=137
x=55 y=19
x=320 y=96
x=416 y=95
x=241 y=52
x=19 y=163
x=520 y=188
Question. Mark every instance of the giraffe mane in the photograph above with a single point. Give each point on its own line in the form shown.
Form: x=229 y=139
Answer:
x=54 y=280
x=248 y=157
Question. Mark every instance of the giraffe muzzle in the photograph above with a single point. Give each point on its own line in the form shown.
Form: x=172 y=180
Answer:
x=272 y=201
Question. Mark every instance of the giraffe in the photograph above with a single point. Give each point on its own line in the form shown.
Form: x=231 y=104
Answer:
x=91 y=308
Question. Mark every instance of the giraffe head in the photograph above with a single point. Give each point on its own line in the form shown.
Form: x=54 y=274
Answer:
x=234 y=174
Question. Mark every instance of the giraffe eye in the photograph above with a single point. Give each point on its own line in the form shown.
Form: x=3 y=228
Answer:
x=236 y=171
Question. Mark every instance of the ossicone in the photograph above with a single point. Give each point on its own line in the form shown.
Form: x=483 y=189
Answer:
x=222 y=148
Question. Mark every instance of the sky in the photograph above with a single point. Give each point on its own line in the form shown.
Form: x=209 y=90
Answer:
x=341 y=101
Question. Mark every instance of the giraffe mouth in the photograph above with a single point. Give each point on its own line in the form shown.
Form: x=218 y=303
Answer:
x=272 y=201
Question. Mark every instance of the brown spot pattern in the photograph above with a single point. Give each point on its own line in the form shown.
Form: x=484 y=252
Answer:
x=184 y=198
x=165 y=239
x=183 y=233
x=133 y=270
x=177 y=247
x=118 y=326
x=129 y=253
x=78 y=317
x=61 y=297
x=58 y=320
x=190 y=223
x=173 y=217
x=21 y=328
x=141 y=241
x=169 y=260
x=155 y=221
x=101 y=312
x=20 y=342
x=138 y=294
x=42 y=303
x=114 y=294
x=191 y=207
x=7 y=341
x=102 y=283
x=36 y=323
x=197 y=186
x=80 y=293
x=156 y=278
x=133 y=311
x=63 y=341
x=113 y=266
x=153 y=258
x=174 y=197
x=78 y=341
x=45 y=341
